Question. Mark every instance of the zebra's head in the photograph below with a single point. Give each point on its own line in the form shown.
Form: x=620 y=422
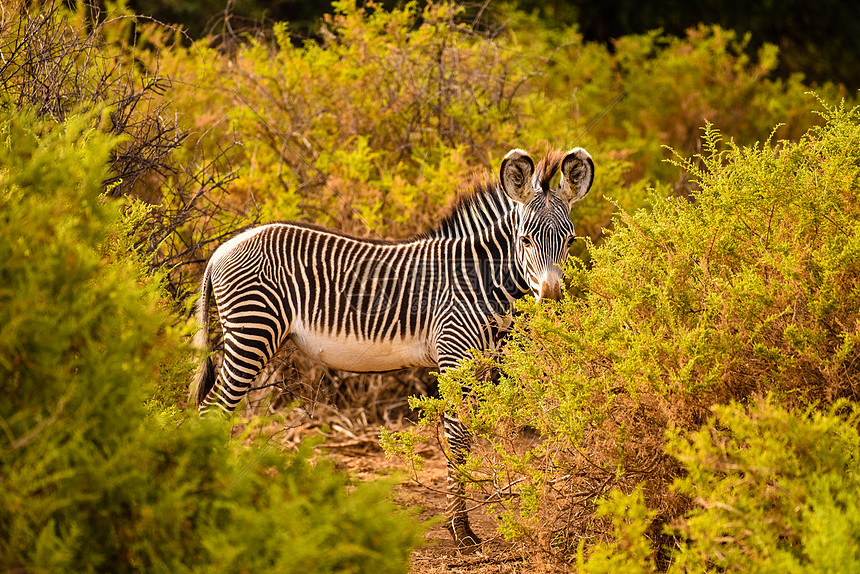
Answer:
x=545 y=231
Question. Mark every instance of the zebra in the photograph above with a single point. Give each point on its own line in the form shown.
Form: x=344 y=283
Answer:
x=370 y=305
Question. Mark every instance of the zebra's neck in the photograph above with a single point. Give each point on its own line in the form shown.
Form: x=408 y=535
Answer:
x=503 y=276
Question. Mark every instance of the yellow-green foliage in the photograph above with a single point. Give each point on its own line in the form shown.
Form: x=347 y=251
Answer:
x=631 y=550
x=774 y=491
x=671 y=86
x=374 y=129
x=650 y=90
x=90 y=483
x=371 y=131
x=748 y=288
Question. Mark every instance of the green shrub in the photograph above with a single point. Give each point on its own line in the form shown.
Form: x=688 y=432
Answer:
x=375 y=129
x=307 y=132
x=90 y=482
x=631 y=549
x=370 y=131
x=774 y=491
x=748 y=288
x=651 y=90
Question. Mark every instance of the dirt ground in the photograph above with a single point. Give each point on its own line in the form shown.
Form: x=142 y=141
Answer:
x=353 y=441
x=365 y=460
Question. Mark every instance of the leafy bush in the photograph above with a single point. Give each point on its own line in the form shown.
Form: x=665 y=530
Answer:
x=373 y=129
x=91 y=482
x=56 y=60
x=392 y=110
x=750 y=288
x=774 y=491
x=653 y=90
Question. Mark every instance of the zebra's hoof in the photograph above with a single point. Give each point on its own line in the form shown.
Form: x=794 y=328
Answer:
x=468 y=545
x=467 y=541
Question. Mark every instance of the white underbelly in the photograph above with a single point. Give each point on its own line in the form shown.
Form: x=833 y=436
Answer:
x=363 y=355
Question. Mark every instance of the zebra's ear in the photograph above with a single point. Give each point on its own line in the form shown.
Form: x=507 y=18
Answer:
x=516 y=175
x=577 y=175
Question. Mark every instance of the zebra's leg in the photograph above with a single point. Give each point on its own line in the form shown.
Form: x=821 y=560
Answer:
x=456 y=517
x=452 y=348
x=245 y=355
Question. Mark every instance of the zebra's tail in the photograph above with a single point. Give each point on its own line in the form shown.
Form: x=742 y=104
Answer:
x=204 y=380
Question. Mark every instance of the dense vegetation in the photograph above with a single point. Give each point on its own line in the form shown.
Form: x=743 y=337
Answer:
x=822 y=43
x=694 y=392
x=97 y=475
x=746 y=296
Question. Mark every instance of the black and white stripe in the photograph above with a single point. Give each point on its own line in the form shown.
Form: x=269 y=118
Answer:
x=369 y=305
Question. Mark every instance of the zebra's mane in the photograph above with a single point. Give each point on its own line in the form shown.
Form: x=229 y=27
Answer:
x=485 y=202
x=476 y=209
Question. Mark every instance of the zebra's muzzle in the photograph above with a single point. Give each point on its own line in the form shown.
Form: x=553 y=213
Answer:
x=550 y=284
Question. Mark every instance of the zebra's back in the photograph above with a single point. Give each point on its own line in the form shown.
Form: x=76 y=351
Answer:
x=352 y=304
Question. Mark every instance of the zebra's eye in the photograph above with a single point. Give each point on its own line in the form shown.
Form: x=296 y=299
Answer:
x=526 y=241
x=569 y=242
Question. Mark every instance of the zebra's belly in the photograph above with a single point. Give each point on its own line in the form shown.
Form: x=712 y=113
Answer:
x=363 y=355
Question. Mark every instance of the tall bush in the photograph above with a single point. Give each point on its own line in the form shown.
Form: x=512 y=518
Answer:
x=90 y=481
x=374 y=128
x=747 y=289
x=57 y=57
x=653 y=90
